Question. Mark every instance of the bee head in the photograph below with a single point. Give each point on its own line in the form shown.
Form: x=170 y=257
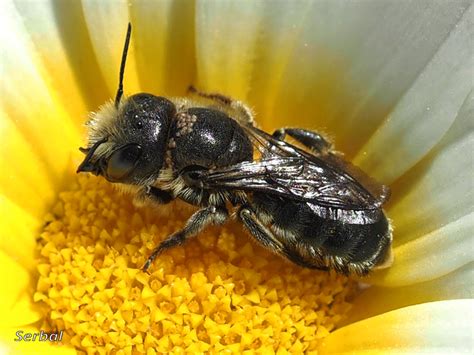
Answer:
x=128 y=143
x=127 y=138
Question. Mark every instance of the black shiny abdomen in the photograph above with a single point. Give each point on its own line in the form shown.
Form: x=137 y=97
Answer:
x=215 y=140
x=354 y=243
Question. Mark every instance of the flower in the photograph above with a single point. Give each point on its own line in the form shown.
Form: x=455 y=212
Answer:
x=391 y=82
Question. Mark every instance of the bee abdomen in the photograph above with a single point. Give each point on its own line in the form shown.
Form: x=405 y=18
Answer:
x=358 y=248
x=320 y=243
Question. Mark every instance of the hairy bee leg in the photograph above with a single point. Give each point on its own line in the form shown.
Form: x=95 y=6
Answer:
x=266 y=238
x=310 y=139
x=196 y=223
x=244 y=112
x=261 y=233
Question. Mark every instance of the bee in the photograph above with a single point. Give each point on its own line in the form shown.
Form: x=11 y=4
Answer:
x=303 y=202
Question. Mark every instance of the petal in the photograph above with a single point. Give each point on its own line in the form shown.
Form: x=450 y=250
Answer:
x=16 y=304
x=433 y=211
x=427 y=109
x=8 y=345
x=314 y=64
x=164 y=38
x=377 y=300
x=437 y=327
x=225 y=49
x=440 y=186
x=24 y=311
x=431 y=256
x=31 y=103
x=27 y=191
x=18 y=228
x=37 y=131
x=347 y=67
x=106 y=22
x=350 y=66
x=63 y=55
x=161 y=57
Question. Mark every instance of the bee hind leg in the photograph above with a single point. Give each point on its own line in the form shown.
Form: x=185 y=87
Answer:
x=310 y=139
x=196 y=223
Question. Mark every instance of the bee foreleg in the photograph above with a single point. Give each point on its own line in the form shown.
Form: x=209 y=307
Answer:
x=310 y=139
x=196 y=223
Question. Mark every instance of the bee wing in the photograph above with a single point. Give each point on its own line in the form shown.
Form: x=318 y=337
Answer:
x=286 y=170
x=379 y=191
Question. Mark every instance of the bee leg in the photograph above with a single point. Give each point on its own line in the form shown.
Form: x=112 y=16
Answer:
x=306 y=137
x=266 y=238
x=196 y=223
x=243 y=112
x=261 y=233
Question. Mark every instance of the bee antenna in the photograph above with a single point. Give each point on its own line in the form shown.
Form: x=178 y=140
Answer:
x=122 y=65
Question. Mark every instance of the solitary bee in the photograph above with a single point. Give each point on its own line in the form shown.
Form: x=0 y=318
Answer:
x=306 y=204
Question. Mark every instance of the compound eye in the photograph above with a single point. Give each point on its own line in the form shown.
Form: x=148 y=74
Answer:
x=123 y=161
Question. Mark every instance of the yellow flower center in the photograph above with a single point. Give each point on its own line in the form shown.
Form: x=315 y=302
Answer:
x=219 y=291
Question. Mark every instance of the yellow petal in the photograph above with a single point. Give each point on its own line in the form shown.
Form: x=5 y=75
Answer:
x=59 y=44
x=27 y=190
x=18 y=229
x=23 y=311
x=278 y=35
x=164 y=33
x=36 y=127
x=226 y=49
x=437 y=327
x=107 y=23
x=29 y=100
x=16 y=305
